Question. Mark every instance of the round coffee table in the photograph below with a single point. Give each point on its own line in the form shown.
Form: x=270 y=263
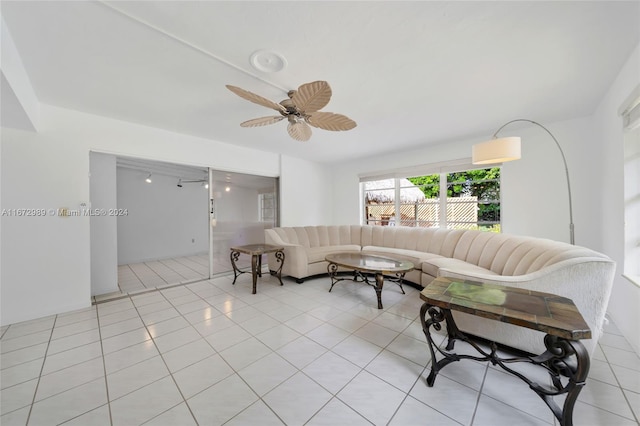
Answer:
x=363 y=264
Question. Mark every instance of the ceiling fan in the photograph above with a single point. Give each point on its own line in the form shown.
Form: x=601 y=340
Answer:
x=301 y=110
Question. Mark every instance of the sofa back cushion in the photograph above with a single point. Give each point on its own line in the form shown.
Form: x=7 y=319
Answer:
x=511 y=255
x=428 y=240
x=320 y=236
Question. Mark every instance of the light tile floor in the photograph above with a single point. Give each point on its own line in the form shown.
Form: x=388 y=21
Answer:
x=210 y=353
x=144 y=275
x=137 y=277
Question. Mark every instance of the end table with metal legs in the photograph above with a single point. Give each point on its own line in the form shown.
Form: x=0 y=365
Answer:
x=565 y=358
x=256 y=251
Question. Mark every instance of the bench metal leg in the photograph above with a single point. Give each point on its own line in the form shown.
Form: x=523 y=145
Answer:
x=566 y=361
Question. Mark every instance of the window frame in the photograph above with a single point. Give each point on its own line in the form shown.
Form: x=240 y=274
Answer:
x=444 y=200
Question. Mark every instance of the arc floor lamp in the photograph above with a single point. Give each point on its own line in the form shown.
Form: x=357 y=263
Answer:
x=500 y=150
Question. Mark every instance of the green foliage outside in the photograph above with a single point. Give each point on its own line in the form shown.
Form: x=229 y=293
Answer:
x=481 y=183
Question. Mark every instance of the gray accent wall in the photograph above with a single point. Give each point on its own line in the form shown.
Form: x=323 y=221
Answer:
x=161 y=220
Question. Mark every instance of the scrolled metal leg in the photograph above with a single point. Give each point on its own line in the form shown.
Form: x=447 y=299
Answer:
x=332 y=270
x=436 y=317
x=400 y=279
x=280 y=259
x=576 y=382
x=234 y=255
x=563 y=358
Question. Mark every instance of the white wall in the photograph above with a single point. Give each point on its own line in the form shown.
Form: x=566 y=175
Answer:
x=306 y=196
x=104 y=229
x=534 y=190
x=46 y=260
x=624 y=306
x=161 y=220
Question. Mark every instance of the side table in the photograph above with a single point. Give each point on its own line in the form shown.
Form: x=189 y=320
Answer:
x=256 y=251
x=565 y=358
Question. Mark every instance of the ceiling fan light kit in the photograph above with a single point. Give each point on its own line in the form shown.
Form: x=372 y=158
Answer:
x=301 y=110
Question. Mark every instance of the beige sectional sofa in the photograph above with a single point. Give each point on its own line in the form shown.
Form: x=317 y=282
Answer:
x=581 y=274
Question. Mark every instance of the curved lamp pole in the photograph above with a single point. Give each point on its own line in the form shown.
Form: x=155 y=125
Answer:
x=507 y=149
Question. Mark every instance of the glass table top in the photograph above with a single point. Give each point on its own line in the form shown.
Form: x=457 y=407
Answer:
x=368 y=262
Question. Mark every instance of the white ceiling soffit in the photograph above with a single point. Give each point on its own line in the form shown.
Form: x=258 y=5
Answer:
x=409 y=73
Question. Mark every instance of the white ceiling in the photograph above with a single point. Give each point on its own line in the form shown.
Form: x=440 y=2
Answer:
x=409 y=73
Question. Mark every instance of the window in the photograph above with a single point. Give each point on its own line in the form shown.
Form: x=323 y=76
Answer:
x=631 y=123
x=267 y=207
x=457 y=200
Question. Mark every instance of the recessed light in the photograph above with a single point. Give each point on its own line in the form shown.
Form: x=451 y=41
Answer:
x=267 y=61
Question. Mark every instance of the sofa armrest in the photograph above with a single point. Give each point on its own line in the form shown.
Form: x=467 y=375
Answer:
x=586 y=281
x=295 y=256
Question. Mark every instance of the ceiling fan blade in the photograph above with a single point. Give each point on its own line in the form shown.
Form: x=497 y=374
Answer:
x=256 y=99
x=330 y=121
x=262 y=121
x=312 y=96
x=299 y=130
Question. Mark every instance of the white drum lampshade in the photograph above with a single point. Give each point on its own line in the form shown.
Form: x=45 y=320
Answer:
x=497 y=150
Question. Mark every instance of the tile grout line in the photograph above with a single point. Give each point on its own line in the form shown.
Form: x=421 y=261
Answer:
x=222 y=358
x=44 y=359
x=190 y=261
x=5 y=331
x=362 y=369
x=104 y=366
x=158 y=274
x=163 y=261
x=237 y=373
x=135 y=274
x=475 y=409
x=215 y=351
x=260 y=398
x=633 y=413
x=146 y=290
x=184 y=399
x=13 y=326
x=147 y=275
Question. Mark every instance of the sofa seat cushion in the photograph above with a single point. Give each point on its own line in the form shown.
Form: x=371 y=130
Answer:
x=317 y=254
x=413 y=256
x=433 y=266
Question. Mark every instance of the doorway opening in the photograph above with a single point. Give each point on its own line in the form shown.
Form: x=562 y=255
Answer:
x=172 y=224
